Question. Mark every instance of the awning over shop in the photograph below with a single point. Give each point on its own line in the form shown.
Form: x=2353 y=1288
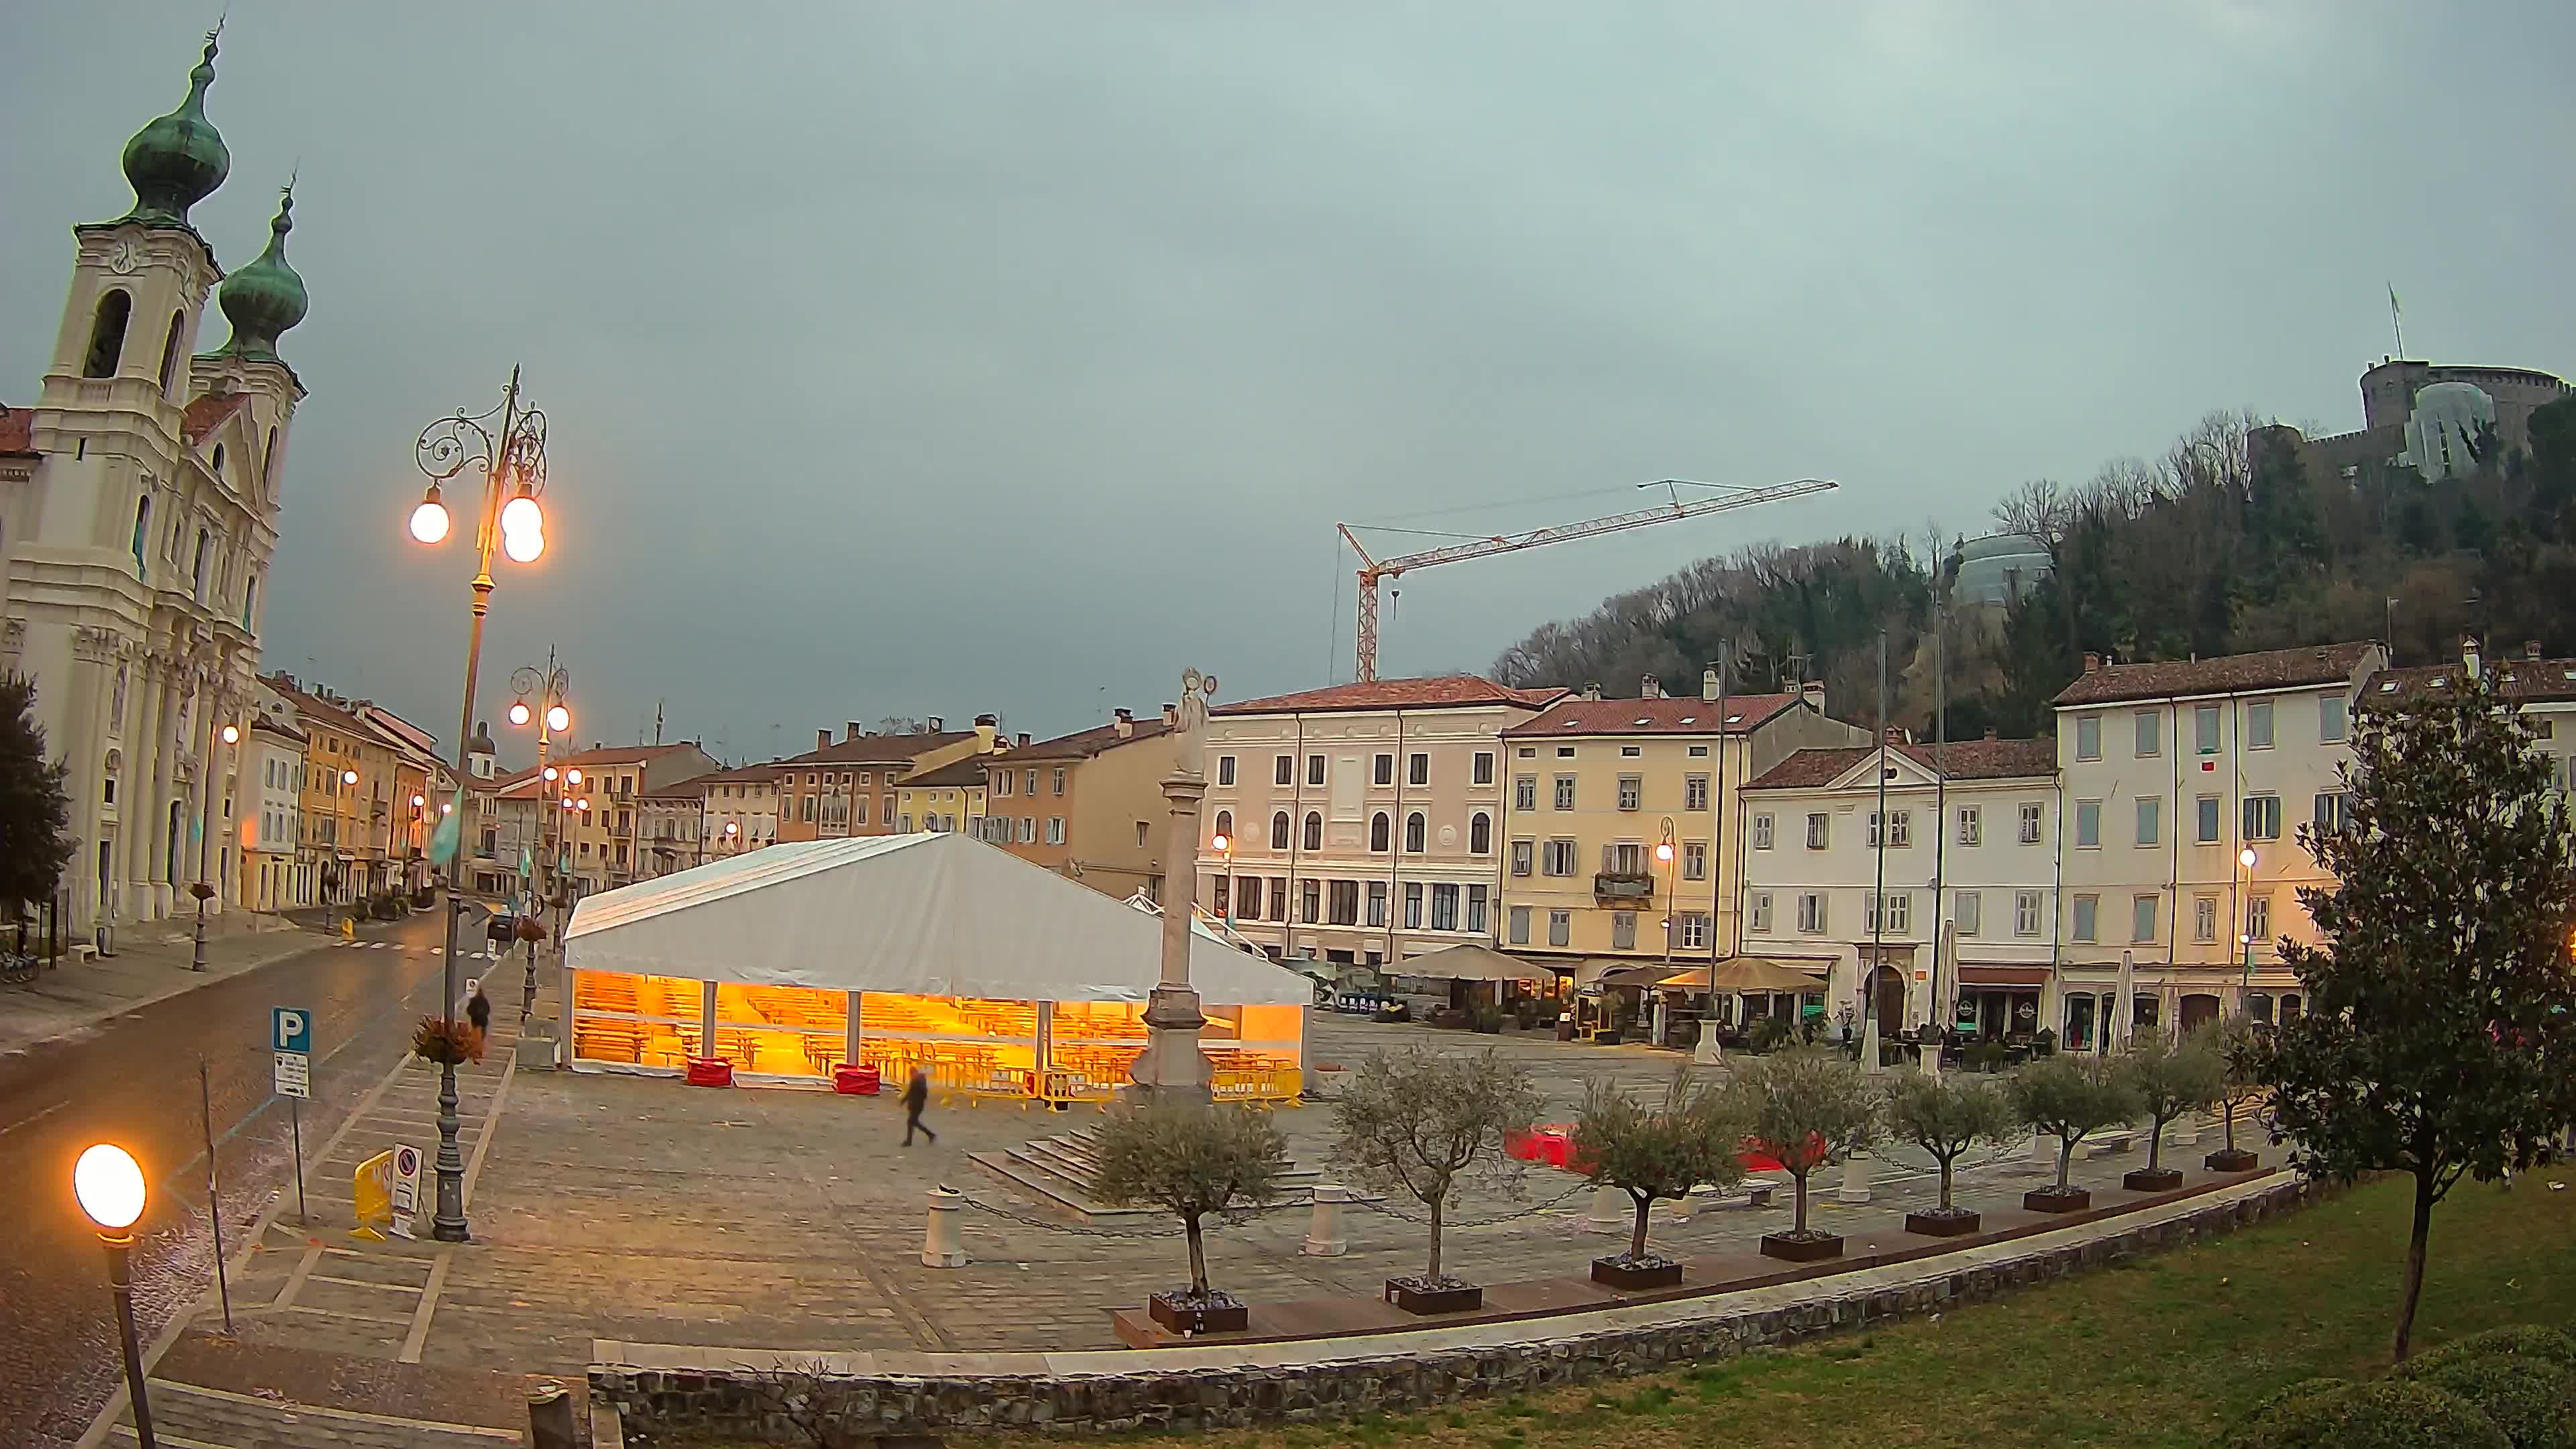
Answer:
x=1764 y=973
x=1643 y=977
x=2002 y=975
x=1473 y=963
x=942 y=915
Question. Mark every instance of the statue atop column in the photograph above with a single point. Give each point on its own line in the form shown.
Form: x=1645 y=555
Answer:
x=1172 y=1069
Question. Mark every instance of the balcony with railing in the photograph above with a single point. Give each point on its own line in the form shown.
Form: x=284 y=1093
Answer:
x=1623 y=886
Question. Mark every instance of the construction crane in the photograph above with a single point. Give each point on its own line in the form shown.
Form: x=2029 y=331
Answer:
x=1374 y=571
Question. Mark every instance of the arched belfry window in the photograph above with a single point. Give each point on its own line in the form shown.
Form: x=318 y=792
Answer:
x=107 y=334
x=170 y=351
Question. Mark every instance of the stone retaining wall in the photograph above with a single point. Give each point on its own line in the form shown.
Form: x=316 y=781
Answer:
x=766 y=1404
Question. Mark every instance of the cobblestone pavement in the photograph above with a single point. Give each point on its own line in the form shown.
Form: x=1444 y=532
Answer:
x=643 y=1210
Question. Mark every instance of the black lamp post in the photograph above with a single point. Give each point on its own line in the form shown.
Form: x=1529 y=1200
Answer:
x=109 y=1184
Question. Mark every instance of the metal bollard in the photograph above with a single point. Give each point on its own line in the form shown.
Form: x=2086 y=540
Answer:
x=1855 y=1188
x=1612 y=1212
x=1324 y=1236
x=550 y=1418
x=940 y=1245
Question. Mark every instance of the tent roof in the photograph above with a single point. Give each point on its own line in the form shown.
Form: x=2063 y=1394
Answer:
x=1736 y=973
x=1470 y=962
x=929 y=914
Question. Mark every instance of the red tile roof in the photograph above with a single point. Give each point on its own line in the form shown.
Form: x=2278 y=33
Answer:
x=2522 y=679
x=1692 y=716
x=619 y=754
x=17 y=431
x=1962 y=759
x=2228 y=674
x=1448 y=691
x=875 y=749
x=1083 y=744
x=208 y=413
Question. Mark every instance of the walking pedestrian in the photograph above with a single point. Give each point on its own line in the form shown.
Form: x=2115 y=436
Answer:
x=916 y=1095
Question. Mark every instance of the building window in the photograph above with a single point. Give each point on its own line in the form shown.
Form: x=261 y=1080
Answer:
x=1695 y=931
x=1820 y=830
x=1560 y=927
x=2025 y=913
x=1565 y=792
x=2142 y=918
x=2258 y=918
x=1379 y=832
x=142 y=527
x=1383 y=769
x=1248 y=894
x=2088 y=823
x=1559 y=858
x=1377 y=903
x=809 y=808
x=2262 y=817
x=2204 y=919
x=1413 y=905
x=1224 y=773
x=1694 y=860
x=1623 y=930
x=2150 y=735
x=2258 y=725
x=1279 y=898
x=1029 y=830
x=1444 y=907
x=1417 y=770
x=1811 y=912
x=1480 y=834
x=1484 y=768
x=2087 y=910
x=2204 y=729
x=1632 y=791
x=1565 y=752
x=2033 y=813
x=1900 y=829
x=2332 y=811
x=1055 y=830
x=1525 y=792
x=2333 y=718
x=1310 y=900
x=1314 y=769
x=1224 y=823
x=1413 y=833
x=1314 y=830
x=2205 y=820
x=1694 y=792
x=1284 y=770
x=1221 y=898
x=1476 y=901
x=1971 y=829
x=1523 y=852
x=107 y=334
x=1520 y=918
x=1344 y=907
x=1969 y=913
x=2088 y=737
x=2150 y=818
x=1761 y=832
x=1900 y=912
x=1279 y=831
x=1758 y=906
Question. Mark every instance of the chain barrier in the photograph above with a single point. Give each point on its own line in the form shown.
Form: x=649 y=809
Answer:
x=1424 y=1219
x=1080 y=1230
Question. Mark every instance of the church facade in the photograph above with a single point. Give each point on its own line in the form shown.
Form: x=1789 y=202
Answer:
x=139 y=498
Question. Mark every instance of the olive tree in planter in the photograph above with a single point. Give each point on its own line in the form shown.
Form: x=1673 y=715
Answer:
x=1945 y=1116
x=1416 y=1122
x=2169 y=1079
x=1650 y=1152
x=1805 y=1109
x=2070 y=1099
x=1194 y=1162
x=2239 y=1045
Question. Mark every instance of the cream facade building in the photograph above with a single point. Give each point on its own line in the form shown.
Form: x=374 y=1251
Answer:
x=1365 y=819
x=1088 y=805
x=271 y=806
x=139 y=500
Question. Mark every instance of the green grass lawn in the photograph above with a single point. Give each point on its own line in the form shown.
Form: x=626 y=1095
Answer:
x=2162 y=1351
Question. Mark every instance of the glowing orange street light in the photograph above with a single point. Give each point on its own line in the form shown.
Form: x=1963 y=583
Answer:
x=109 y=1185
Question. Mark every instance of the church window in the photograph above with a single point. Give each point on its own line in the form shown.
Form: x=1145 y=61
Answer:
x=170 y=351
x=250 y=600
x=142 y=530
x=218 y=468
x=197 y=572
x=107 y=334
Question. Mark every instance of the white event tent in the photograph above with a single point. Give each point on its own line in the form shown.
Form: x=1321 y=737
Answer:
x=933 y=950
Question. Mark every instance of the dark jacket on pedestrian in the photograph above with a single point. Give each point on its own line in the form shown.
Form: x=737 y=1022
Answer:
x=479 y=1011
x=916 y=1094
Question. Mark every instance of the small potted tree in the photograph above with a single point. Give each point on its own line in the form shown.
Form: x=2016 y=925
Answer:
x=1945 y=1116
x=1654 y=1152
x=1415 y=1122
x=2070 y=1099
x=1804 y=1109
x=1192 y=1161
x=2168 y=1080
x=2239 y=1044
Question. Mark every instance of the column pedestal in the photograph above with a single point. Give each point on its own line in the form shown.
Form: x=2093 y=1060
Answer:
x=1324 y=1235
x=1172 y=1069
x=1855 y=1188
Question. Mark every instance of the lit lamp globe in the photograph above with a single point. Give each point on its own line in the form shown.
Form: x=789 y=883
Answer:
x=1664 y=853
x=558 y=718
x=572 y=776
x=1222 y=844
x=519 y=713
x=522 y=515
x=109 y=1184
x=2245 y=857
x=348 y=777
x=550 y=772
x=429 y=520
x=524 y=545
x=732 y=830
x=585 y=803
x=232 y=734
x=417 y=802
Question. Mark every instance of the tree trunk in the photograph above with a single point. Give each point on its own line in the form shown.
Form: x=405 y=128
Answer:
x=2065 y=1159
x=1801 y=1179
x=1198 y=1256
x=1637 y=1236
x=1947 y=1163
x=2227 y=1121
x=2413 y=1287
x=1432 y=1275
x=2155 y=1141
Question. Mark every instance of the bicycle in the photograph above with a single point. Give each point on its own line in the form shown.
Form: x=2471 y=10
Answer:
x=19 y=968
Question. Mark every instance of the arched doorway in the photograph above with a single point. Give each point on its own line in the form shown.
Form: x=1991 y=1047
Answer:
x=2198 y=1010
x=1887 y=999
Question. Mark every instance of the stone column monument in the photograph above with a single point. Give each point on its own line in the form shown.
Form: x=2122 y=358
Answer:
x=1171 y=1069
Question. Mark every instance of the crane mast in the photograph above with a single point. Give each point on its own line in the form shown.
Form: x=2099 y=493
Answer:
x=1374 y=571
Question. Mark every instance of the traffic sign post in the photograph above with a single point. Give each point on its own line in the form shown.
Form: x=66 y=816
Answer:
x=403 y=1189
x=290 y=1042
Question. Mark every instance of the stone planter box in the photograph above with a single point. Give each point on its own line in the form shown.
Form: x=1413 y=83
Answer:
x=1414 y=1296
x=2160 y=1179
x=1937 y=1224
x=1637 y=1275
x=1801 y=1250
x=2238 y=1160
x=1181 y=1313
x=2050 y=1200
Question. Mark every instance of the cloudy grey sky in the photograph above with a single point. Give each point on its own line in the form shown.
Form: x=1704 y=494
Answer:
x=935 y=358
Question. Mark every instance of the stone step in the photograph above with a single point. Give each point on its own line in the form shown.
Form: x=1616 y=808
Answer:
x=185 y=1416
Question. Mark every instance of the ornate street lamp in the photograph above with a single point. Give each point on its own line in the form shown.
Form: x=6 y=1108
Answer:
x=508 y=444
x=109 y=1184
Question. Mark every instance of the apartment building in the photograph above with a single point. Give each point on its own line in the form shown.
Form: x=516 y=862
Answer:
x=2542 y=690
x=1088 y=805
x=1599 y=788
x=945 y=798
x=847 y=787
x=1948 y=896
x=270 y=803
x=742 y=810
x=1364 y=819
x=605 y=784
x=346 y=800
x=2175 y=775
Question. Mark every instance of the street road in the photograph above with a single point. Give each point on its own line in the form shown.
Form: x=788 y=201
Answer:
x=134 y=1081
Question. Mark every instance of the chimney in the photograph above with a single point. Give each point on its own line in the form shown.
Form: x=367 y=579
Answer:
x=988 y=727
x=2531 y=649
x=850 y=730
x=2469 y=652
x=822 y=739
x=1592 y=690
x=1813 y=692
x=1708 y=685
x=2092 y=662
x=935 y=725
x=1021 y=740
x=1124 y=723
x=1171 y=716
x=1650 y=688
x=1896 y=734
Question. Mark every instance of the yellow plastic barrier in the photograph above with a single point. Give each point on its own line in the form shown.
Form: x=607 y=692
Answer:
x=1062 y=1089
x=1267 y=1086
x=999 y=1083
x=372 y=1188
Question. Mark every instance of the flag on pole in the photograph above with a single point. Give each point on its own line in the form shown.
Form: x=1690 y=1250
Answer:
x=451 y=829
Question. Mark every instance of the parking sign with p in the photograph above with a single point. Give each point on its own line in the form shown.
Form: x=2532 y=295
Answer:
x=290 y=1030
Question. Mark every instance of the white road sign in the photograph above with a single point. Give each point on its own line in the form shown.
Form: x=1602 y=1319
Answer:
x=294 y=1074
